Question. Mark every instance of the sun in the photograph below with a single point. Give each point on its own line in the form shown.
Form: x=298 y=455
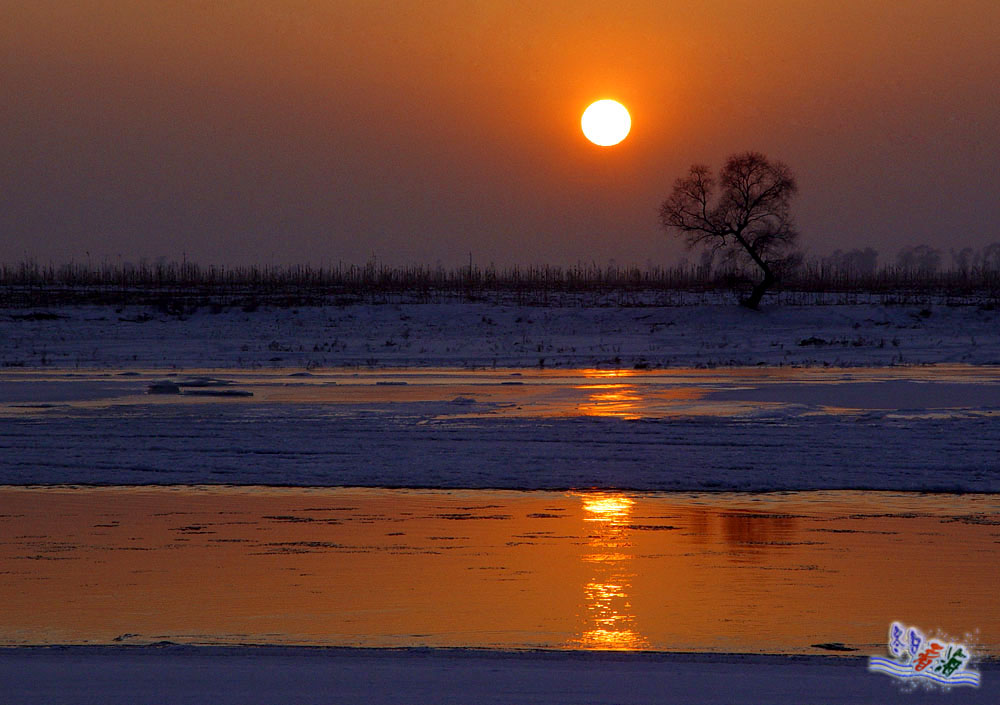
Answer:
x=606 y=123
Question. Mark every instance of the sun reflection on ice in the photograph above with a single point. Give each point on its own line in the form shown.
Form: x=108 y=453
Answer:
x=614 y=509
x=610 y=397
x=609 y=620
x=617 y=400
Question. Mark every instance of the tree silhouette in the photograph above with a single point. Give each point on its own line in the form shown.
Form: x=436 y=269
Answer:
x=749 y=217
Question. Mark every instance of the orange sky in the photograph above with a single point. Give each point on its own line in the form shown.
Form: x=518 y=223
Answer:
x=321 y=130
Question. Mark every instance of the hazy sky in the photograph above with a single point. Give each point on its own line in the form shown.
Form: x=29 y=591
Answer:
x=278 y=131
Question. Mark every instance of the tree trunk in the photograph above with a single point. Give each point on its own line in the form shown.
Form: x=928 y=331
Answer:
x=753 y=301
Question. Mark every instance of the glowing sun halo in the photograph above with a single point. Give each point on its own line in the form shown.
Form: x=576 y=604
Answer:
x=606 y=122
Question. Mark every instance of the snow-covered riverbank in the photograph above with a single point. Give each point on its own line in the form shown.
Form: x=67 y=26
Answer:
x=486 y=335
x=244 y=676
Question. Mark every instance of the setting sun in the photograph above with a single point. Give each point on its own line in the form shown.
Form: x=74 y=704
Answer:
x=606 y=123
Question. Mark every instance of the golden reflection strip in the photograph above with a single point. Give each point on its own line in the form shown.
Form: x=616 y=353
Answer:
x=608 y=619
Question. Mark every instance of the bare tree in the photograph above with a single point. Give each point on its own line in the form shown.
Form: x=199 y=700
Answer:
x=965 y=260
x=991 y=257
x=853 y=263
x=919 y=259
x=748 y=218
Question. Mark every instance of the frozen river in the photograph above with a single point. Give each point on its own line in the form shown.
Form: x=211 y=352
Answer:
x=911 y=428
x=942 y=391
x=787 y=573
x=702 y=517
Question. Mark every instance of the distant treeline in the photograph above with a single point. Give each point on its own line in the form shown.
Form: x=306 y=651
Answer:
x=917 y=273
